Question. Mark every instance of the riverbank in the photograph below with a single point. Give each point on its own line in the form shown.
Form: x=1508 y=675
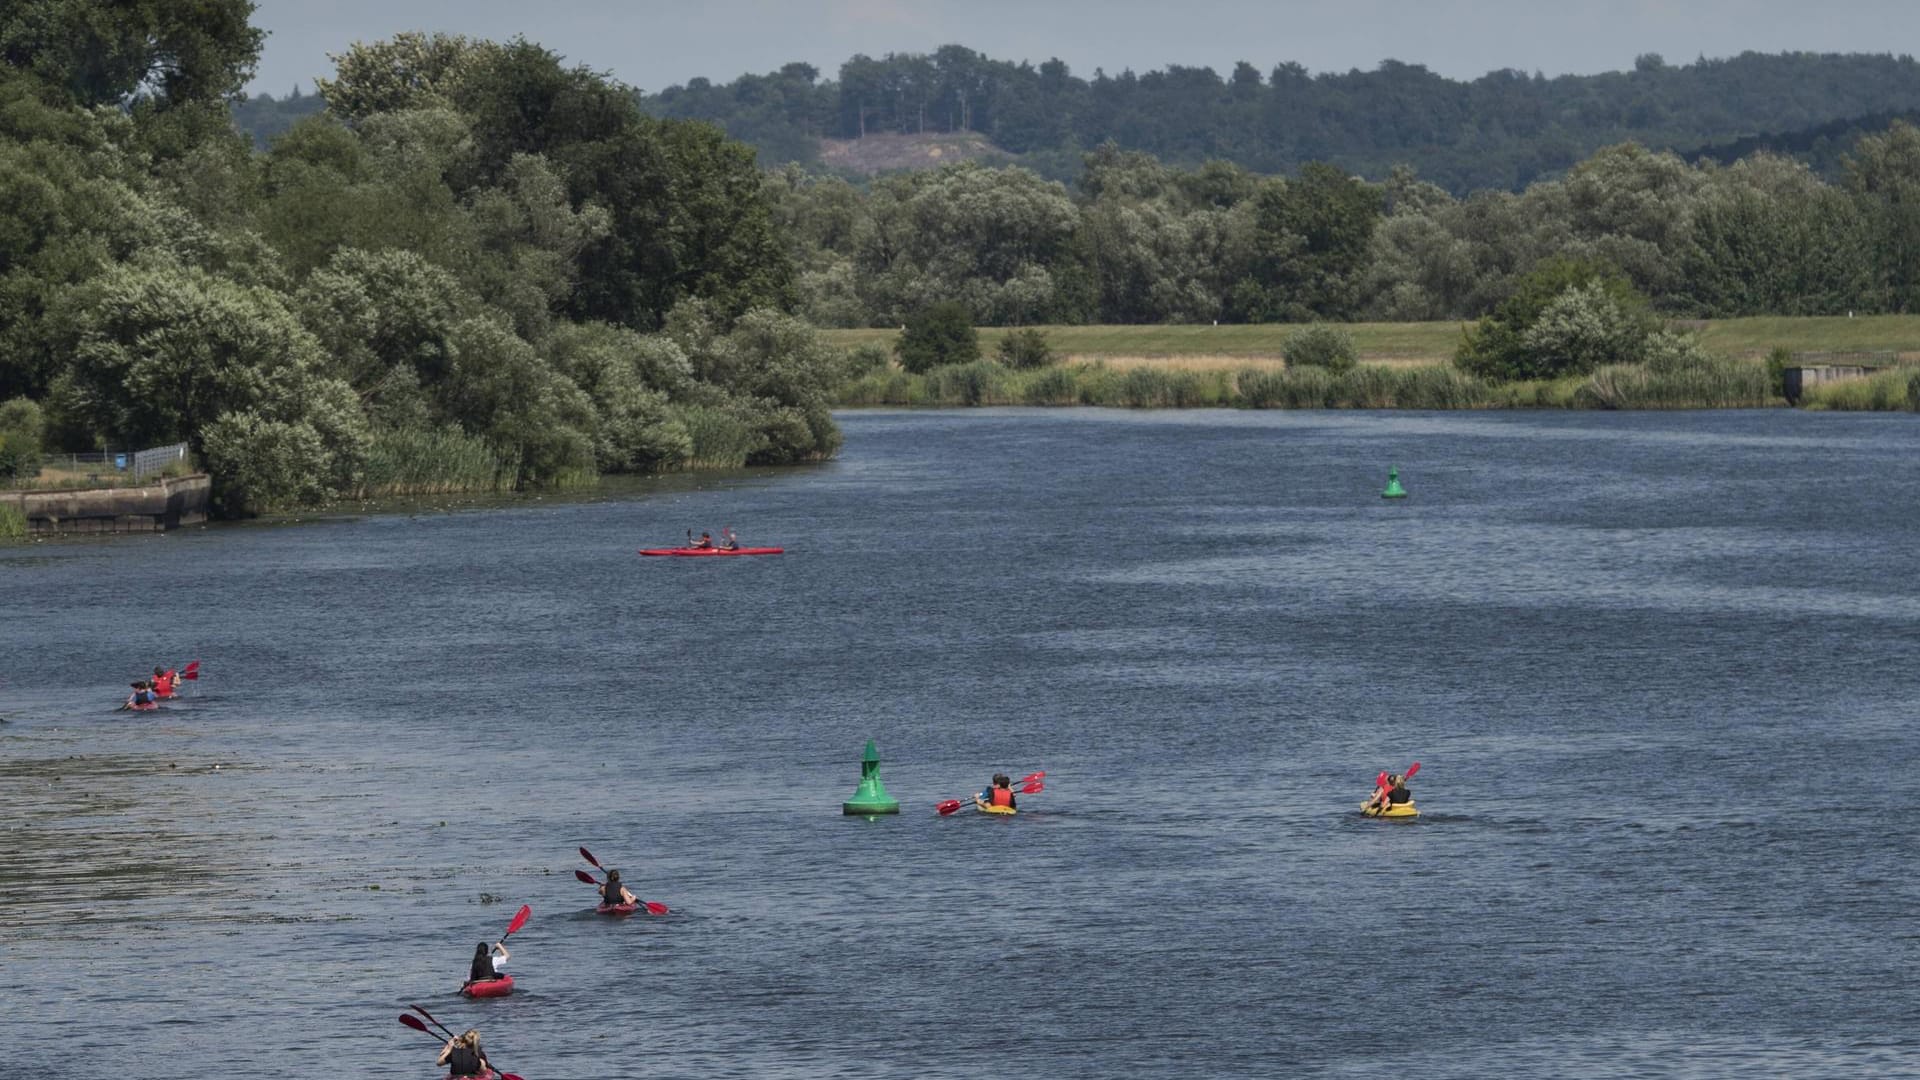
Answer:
x=1228 y=347
x=1728 y=385
x=1402 y=366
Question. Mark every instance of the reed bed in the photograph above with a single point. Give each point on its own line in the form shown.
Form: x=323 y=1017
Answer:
x=13 y=521
x=444 y=461
x=722 y=437
x=1720 y=385
x=1892 y=390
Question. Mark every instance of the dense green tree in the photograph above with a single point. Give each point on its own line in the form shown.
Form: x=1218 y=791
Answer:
x=102 y=52
x=936 y=336
x=1565 y=318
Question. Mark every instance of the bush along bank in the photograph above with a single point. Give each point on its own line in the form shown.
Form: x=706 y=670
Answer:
x=1724 y=384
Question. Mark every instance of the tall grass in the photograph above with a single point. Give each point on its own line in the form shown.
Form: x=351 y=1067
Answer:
x=408 y=461
x=1721 y=384
x=13 y=521
x=722 y=437
x=1890 y=390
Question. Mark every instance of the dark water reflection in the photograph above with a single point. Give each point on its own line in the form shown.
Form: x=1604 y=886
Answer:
x=1659 y=670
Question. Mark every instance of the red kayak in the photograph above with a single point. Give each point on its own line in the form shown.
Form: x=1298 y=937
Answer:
x=711 y=551
x=148 y=707
x=617 y=909
x=499 y=987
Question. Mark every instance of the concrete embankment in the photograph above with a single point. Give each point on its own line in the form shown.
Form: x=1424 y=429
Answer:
x=153 y=507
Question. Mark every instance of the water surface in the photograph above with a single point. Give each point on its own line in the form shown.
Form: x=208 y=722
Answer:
x=1659 y=670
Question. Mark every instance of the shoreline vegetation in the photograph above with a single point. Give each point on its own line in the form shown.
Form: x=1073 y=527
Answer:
x=1399 y=366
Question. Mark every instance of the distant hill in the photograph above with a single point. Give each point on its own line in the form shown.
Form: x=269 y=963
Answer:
x=1501 y=130
x=263 y=116
x=1823 y=147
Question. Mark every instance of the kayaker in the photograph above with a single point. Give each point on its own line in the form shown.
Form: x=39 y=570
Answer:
x=705 y=541
x=729 y=542
x=463 y=1057
x=999 y=793
x=162 y=683
x=142 y=696
x=1392 y=791
x=612 y=892
x=484 y=967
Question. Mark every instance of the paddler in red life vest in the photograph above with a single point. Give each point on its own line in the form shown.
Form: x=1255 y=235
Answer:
x=162 y=683
x=999 y=794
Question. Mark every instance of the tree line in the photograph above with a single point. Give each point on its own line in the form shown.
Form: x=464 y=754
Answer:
x=480 y=266
x=1139 y=241
x=1503 y=130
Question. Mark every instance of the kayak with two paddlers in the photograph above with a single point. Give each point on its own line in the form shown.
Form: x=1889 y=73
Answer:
x=1391 y=797
x=728 y=544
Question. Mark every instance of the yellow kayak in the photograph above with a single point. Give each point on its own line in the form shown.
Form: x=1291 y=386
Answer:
x=1397 y=810
x=1003 y=811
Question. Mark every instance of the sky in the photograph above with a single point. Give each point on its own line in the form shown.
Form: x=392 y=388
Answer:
x=651 y=44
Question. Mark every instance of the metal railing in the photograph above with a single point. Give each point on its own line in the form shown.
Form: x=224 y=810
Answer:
x=148 y=462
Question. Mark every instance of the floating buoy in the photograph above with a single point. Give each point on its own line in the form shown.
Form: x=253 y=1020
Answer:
x=1394 y=490
x=871 y=797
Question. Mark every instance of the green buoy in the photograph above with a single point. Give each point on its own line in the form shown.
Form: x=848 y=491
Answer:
x=1394 y=490
x=871 y=797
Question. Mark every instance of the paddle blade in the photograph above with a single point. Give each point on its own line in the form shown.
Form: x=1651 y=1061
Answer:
x=519 y=919
x=431 y=1020
x=586 y=877
x=511 y=1076
x=588 y=855
x=1411 y=769
x=654 y=908
x=949 y=807
x=191 y=671
x=414 y=1022
x=1034 y=788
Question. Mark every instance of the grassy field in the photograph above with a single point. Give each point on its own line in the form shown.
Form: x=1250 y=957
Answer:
x=1228 y=348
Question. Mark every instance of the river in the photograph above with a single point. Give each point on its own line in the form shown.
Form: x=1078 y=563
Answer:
x=1658 y=668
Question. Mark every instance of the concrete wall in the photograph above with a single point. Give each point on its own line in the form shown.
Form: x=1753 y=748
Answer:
x=155 y=507
x=1798 y=379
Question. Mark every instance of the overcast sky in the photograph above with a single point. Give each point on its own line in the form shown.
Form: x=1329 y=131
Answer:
x=651 y=44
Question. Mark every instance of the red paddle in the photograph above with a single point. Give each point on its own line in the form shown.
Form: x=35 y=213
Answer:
x=430 y=1019
x=1030 y=784
x=414 y=1023
x=519 y=920
x=652 y=907
x=191 y=671
x=1380 y=784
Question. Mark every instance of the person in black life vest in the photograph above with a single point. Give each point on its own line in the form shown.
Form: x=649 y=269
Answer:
x=484 y=968
x=705 y=541
x=141 y=697
x=729 y=542
x=1000 y=793
x=463 y=1057
x=1393 y=792
x=615 y=893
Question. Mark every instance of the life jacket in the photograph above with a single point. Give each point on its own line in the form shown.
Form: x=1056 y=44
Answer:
x=463 y=1062
x=1002 y=796
x=163 y=685
x=143 y=697
x=1399 y=795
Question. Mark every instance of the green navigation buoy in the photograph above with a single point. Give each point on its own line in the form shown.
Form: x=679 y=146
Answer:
x=1394 y=490
x=871 y=797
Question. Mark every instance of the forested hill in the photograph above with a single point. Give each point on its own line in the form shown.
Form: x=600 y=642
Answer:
x=1501 y=130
